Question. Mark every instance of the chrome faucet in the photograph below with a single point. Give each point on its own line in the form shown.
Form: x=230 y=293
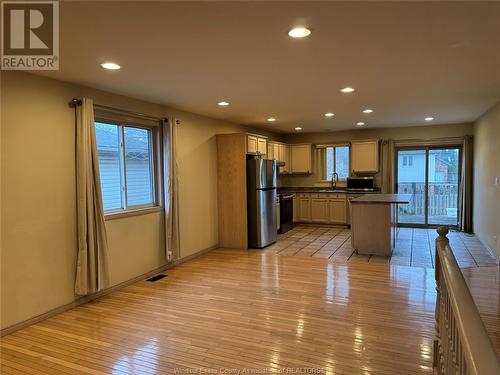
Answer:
x=335 y=178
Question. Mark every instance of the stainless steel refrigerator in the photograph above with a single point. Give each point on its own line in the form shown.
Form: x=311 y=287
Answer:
x=261 y=202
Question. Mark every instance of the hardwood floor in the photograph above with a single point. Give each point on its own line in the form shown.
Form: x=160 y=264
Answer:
x=414 y=247
x=238 y=309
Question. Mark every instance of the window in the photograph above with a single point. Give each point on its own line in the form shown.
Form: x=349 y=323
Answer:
x=408 y=161
x=336 y=160
x=126 y=166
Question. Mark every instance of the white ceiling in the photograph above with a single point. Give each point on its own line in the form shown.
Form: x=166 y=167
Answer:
x=406 y=60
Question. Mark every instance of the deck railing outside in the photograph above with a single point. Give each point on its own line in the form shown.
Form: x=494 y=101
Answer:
x=443 y=198
x=442 y=208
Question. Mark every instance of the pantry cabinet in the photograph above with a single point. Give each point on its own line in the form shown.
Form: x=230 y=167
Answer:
x=365 y=156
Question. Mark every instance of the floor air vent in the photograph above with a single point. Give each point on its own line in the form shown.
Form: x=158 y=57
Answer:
x=156 y=278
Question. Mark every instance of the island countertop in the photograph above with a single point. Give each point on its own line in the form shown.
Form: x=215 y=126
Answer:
x=383 y=198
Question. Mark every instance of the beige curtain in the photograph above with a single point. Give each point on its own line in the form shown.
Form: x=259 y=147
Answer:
x=465 y=194
x=171 y=199
x=388 y=156
x=92 y=263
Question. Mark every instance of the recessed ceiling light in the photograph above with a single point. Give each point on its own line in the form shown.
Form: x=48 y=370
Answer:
x=110 y=66
x=271 y=119
x=223 y=104
x=347 y=89
x=429 y=118
x=329 y=114
x=368 y=110
x=360 y=123
x=299 y=32
x=298 y=128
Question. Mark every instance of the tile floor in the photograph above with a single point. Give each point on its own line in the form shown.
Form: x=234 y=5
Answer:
x=414 y=247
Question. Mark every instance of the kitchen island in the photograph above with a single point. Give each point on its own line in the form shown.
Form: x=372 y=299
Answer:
x=374 y=222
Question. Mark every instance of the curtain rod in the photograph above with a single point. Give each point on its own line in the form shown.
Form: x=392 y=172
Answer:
x=76 y=102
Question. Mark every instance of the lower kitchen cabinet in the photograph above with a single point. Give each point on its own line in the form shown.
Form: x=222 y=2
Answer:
x=304 y=209
x=320 y=210
x=338 y=211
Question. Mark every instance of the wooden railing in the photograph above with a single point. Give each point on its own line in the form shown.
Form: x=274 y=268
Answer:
x=462 y=345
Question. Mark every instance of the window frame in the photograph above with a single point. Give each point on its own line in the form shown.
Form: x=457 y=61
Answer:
x=322 y=156
x=156 y=168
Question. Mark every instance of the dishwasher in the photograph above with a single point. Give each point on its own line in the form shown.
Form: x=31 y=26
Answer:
x=286 y=212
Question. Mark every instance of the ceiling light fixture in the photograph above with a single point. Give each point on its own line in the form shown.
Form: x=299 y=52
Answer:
x=299 y=32
x=329 y=114
x=271 y=119
x=110 y=66
x=368 y=110
x=223 y=104
x=347 y=90
x=429 y=118
x=360 y=123
x=298 y=128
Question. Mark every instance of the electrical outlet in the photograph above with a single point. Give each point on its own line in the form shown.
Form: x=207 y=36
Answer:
x=497 y=181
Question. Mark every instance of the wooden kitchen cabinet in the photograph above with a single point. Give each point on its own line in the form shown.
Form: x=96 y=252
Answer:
x=251 y=144
x=304 y=208
x=320 y=210
x=364 y=156
x=270 y=153
x=300 y=158
x=261 y=145
x=284 y=156
x=256 y=145
x=276 y=151
x=338 y=211
x=328 y=208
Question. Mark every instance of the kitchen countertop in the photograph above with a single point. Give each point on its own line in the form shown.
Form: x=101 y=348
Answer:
x=338 y=190
x=383 y=198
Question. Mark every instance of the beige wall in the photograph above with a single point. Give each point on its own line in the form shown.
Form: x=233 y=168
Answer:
x=415 y=132
x=486 y=169
x=38 y=225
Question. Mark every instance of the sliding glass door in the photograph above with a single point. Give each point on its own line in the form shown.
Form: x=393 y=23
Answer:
x=431 y=176
x=411 y=179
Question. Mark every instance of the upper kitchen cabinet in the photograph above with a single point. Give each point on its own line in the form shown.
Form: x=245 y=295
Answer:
x=280 y=152
x=364 y=156
x=284 y=156
x=300 y=158
x=256 y=145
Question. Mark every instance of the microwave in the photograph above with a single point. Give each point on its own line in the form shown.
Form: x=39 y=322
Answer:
x=360 y=183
